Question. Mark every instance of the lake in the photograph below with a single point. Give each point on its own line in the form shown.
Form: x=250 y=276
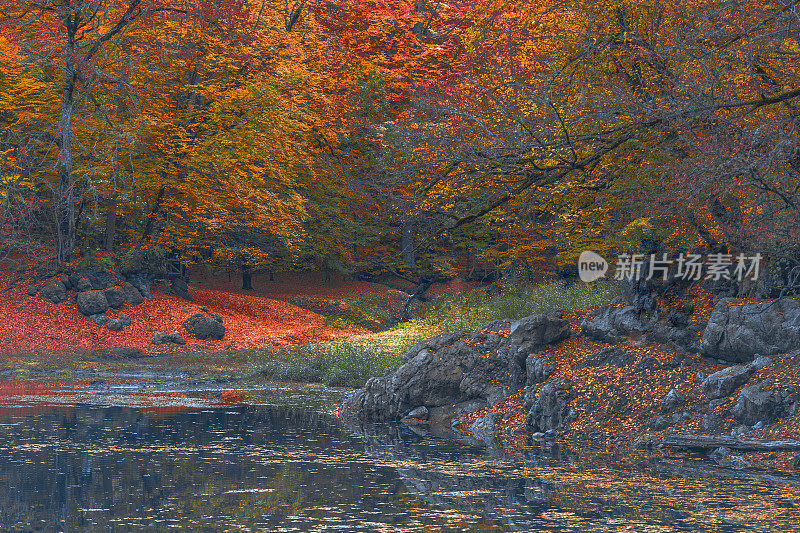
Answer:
x=152 y=455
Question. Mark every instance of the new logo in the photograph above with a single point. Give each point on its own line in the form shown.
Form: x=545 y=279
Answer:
x=591 y=266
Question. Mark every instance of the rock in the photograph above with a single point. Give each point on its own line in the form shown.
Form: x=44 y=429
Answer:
x=66 y=281
x=33 y=290
x=82 y=285
x=550 y=410
x=529 y=334
x=115 y=324
x=132 y=294
x=613 y=324
x=719 y=453
x=723 y=383
x=609 y=356
x=115 y=297
x=141 y=282
x=469 y=368
x=54 y=291
x=738 y=331
x=92 y=303
x=205 y=326
x=181 y=289
x=484 y=428
x=420 y=413
x=163 y=338
x=538 y=369
x=672 y=400
x=710 y=422
x=757 y=405
x=203 y=308
x=660 y=422
x=98 y=280
x=99 y=318
x=126 y=320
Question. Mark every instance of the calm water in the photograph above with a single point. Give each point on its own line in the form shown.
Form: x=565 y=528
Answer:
x=122 y=458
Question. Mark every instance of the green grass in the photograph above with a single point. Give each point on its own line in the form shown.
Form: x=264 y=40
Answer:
x=350 y=361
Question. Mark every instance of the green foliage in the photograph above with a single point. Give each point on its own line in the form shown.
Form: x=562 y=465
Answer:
x=352 y=360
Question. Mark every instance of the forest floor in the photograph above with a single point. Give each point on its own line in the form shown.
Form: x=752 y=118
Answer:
x=294 y=309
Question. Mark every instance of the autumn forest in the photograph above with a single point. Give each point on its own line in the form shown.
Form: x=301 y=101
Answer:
x=395 y=136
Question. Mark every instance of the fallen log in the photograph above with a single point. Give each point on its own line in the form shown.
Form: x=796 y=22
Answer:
x=712 y=442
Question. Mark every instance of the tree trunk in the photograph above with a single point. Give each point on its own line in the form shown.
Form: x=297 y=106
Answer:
x=65 y=205
x=247 y=278
x=111 y=225
x=407 y=245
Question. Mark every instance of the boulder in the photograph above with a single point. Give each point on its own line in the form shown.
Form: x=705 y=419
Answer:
x=467 y=368
x=550 y=410
x=132 y=294
x=115 y=297
x=738 y=331
x=484 y=428
x=98 y=279
x=126 y=320
x=613 y=324
x=33 y=290
x=99 y=318
x=609 y=356
x=205 y=326
x=92 y=303
x=164 y=338
x=723 y=383
x=756 y=405
x=54 y=291
x=529 y=334
x=115 y=324
x=181 y=289
x=82 y=285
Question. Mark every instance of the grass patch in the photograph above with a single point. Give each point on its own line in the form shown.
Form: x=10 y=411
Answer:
x=350 y=361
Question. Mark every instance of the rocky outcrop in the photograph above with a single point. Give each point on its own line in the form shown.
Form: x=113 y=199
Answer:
x=477 y=369
x=205 y=326
x=738 y=331
x=550 y=409
x=755 y=404
x=723 y=383
x=613 y=324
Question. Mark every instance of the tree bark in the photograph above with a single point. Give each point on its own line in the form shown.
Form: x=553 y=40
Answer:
x=111 y=225
x=65 y=205
x=247 y=278
x=407 y=245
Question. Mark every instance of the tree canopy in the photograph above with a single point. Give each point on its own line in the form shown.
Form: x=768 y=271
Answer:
x=411 y=137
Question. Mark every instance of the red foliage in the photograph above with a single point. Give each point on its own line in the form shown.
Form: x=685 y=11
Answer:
x=29 y=324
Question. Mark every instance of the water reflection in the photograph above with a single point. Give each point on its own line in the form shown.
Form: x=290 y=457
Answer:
x=288 y=467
